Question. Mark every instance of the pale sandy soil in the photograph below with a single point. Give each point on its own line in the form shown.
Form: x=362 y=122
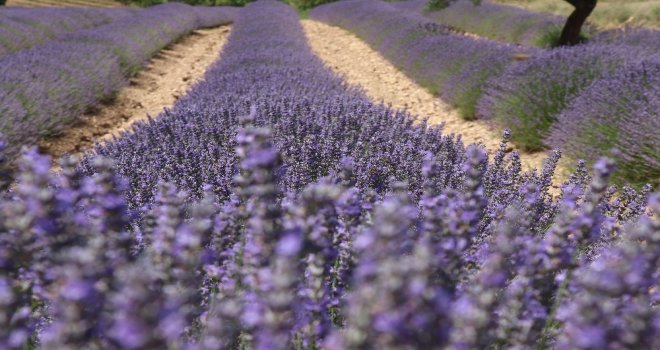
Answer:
x=169 y=75
x=360 y=65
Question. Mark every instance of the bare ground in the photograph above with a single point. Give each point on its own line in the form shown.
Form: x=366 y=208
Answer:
x=359 y=64
x=169 y=75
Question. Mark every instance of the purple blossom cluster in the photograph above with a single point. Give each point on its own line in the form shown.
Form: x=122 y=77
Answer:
x=275 y=207
x=21 y=28
x=437 y=57
x=491 y=20
x=46 y=88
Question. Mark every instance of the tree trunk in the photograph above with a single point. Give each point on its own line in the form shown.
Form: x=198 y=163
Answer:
x=570 y=35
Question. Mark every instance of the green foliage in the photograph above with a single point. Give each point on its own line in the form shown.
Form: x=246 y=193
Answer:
x=304 y=14
x=303 y=5
x=2 y=2
x=551 y=38
x=434 y=5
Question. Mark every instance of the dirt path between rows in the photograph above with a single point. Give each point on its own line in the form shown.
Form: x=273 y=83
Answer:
x=169 y=75
x=359 y=64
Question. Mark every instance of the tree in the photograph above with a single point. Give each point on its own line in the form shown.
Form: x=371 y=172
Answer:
x=570 y=35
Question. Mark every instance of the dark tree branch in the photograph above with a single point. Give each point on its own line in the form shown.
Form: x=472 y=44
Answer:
x=570 y=35
x=575 y=3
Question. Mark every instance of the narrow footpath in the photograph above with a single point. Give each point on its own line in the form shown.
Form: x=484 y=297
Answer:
x=169 y=75
x=359 y=64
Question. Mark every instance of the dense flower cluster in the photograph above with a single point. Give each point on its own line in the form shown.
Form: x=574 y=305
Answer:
x=491 y=20
x=277 y=208
x=21 y=28
x=436 y=56
x=47 y=87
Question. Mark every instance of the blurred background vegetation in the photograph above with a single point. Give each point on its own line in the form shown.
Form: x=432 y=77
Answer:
x=190 y=2
x=608 y=13
x=300 y=4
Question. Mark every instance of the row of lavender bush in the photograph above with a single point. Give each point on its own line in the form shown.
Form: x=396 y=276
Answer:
x=21 y=28
x=590 y=122
x=645 y=38
x=494 y=21
x=437 y=57
x=276 y=208
x=586 y=100
x=46 y=88
x=482 y=80
x=213 y=16
x=529 y=95
x=620 y=112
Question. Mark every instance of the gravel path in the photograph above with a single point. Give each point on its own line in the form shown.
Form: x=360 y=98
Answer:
x=352 y=58
x=169 y=75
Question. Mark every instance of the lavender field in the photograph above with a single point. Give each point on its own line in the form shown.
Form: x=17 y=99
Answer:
x=21 y=28
x=47 y=87
x=484 y=79
x=277 y=206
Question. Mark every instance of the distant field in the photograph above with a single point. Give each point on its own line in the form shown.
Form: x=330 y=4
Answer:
x=608 y=13
x=64 y=3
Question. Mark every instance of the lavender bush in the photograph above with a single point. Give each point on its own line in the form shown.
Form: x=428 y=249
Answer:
x=213 y=16
x=46 y=88
x=453 y=65
x=530 y=94
x=620 y=112
x=277 y=208
x=21 y=28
